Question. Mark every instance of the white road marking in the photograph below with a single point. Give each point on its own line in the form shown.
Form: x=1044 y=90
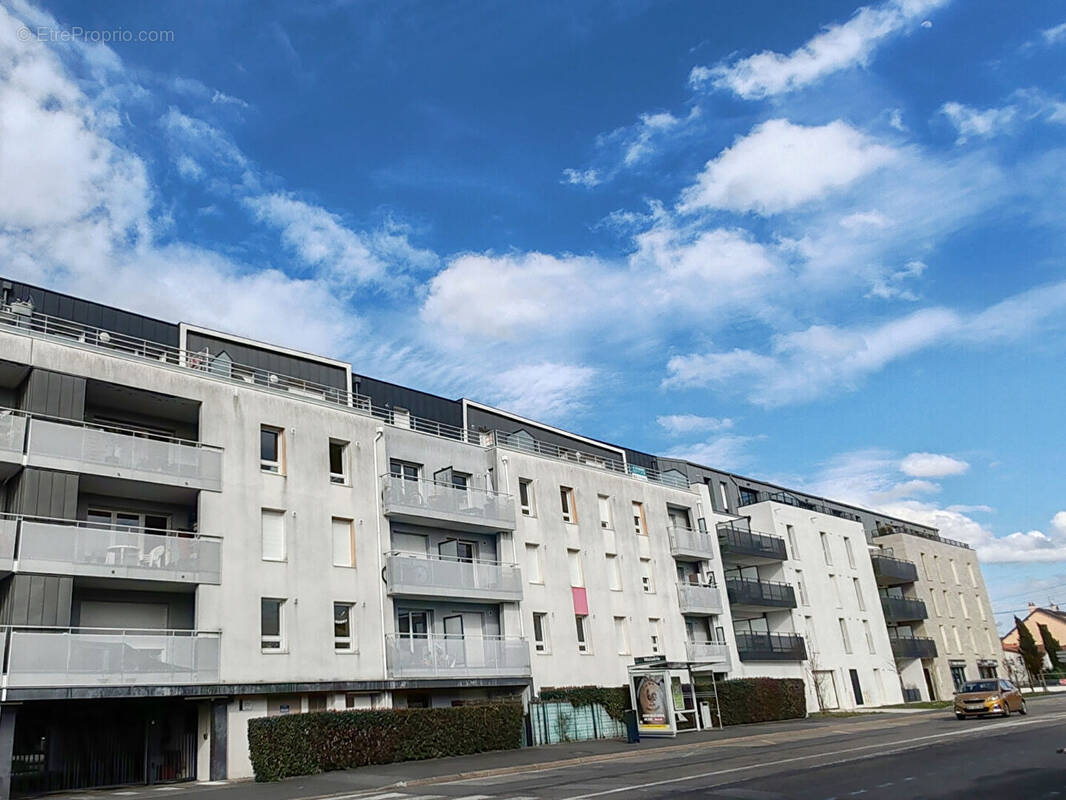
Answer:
x=905 y=744
x=883 y=785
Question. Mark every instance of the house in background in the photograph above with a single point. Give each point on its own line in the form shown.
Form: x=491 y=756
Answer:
x=1053 y=618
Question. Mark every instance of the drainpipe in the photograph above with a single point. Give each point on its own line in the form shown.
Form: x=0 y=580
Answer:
x=379 y=434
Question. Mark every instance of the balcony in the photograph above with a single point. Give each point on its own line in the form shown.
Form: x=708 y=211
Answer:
x=61 y=657
x=743 y=545
x=114 y=452
x=444 y=505
x=912 y=647
x=708 y=653
x=689 y=543
x=771 y=647
x=437 y=576
x=699 y=598
x=12 y=441
x=891 y=571
x=68 y=547
x=903 y=609
x=760 y=594
x=456 y=656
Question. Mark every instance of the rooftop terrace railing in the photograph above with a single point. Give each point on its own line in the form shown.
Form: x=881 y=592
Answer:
x=789 y=499
x=888 y=530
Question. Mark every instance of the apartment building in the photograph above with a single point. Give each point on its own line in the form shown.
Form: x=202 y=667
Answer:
x=198 y=529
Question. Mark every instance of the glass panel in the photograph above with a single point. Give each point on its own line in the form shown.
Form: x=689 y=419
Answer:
x=341 y=624
x=268 y=445
x=271 y=617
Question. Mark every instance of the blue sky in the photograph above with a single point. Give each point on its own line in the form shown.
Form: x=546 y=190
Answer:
x=823 y=247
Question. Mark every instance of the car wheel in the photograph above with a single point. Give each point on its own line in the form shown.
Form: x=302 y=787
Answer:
x=1006 y=711
x=1023 y=710
x=960 y=716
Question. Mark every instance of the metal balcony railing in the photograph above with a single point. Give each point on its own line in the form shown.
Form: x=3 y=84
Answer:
x=79 y=446
x=455 y=656
x=441 y=576
x=738 y=542
x=771 y=647
x=690 y=543
x=78 y=547
x=699 y=598
x=421 y=500
x=903 y=609
x=800 y=501
x=713 y=652
x=891 y=571
x=769 y=594
x=913 y=647
x=60 y=657
x=888 y=529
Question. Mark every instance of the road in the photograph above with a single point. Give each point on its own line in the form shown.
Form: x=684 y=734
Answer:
x=880 y=758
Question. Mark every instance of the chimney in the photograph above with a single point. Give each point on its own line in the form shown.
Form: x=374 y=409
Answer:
x=1032 y=607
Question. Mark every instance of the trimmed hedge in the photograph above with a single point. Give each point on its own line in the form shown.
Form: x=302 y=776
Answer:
x=744 y=700
x=305 y=744
x=614 y=699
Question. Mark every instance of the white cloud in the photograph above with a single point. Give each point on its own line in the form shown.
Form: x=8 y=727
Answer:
x=837 y=47
x=582 y=177
x=971 y=122
x=891 y=286
x=544 y=391
x=1055 y=34
x=681 y=424
x=932 y=465
x=730 y=451
x=780 y=165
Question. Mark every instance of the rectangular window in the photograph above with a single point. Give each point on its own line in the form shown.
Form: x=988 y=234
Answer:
x=541 y=643
x=844 y=635
x=936 y=603
x=962 y=605
x=573 y=560
x=566 y=501
x=973 y=577
x=272 y=529
x=944 y=637
x=849 y=551
x=793 y=550
x=525 y=497
x=614 y=573
x=405 y=470
x=581 y=623
x=640 y=525
x=973 y=639
x=981 y=609
x=533 y=566
x=958 y=639
x=833 y=579
x=925 y=567
x=656 y=640
x=800 y=588
x=646 y=582
x=826 y=551
x=343 y=542
x=272 y=624
x=343 y=633
x=621 y=635
x=723 y=493
x=947 y=604
x=858 y=594
x=954 y=571
x=605 y=512
x=271 y=449
x=869 y=636
x=338 y=461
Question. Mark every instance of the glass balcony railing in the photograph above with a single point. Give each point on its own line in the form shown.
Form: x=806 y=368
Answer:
x=768 y=594
x=455 y=656
x=690 y=543
x=699 y=598
x=903 y=609
x=439 y=502
x=891 y=571
x=771 y=647
x=712 y=652
x=76 y=446
x=12 y=435
x=70 y=547
x=739 y=543
x=913 y=647
x=59 y=657
x=439 y=576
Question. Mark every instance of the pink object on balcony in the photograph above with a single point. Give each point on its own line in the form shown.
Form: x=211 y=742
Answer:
x=581 y=600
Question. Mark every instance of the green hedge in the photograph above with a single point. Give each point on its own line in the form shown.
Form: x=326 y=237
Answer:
x=305 y=744
x=614 y=699
x=744 y=700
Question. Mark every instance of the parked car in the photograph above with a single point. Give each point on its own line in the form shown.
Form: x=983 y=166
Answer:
x=993 y=696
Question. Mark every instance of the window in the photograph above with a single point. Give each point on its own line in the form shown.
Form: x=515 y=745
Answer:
x=869 y=636
x=272 y=624
x=573 y=560
x=646 y=582
x=973 y=577
x=973 y=639
x=343 y=542
x=536 y=574
x=962 y=605
x=826 y=552
x=944 y=638
x=858 y=594
x=939 y=568
x=844 y=635
x=117 y=520
x=656 y=639
x=947 y=604
x=833 y=579
x=343 y=636
x=605 y=512
x=525 y=497
x=272 y=528
x=981 y=609
x=800 y=589
x=566 y=500
x=958 y=639
x=338 y=461
x=954 y=571
x=621 y=635
x=936 y=603
x=581 y=623
x=925 y=567
x=640 y=525
x=271 y=449
x=793 y=550
x=723 y=493
x=541 y=643
x=405 y=470
x=808 y=626
x=614 y=573
x=850 y=552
